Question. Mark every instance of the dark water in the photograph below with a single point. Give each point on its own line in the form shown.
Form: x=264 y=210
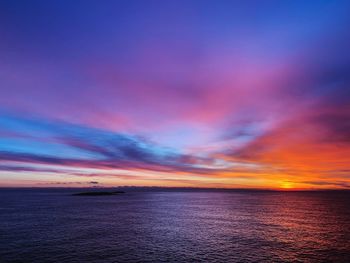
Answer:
x=52 y=226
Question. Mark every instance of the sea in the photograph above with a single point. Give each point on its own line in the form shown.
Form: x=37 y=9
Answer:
x=178 y=225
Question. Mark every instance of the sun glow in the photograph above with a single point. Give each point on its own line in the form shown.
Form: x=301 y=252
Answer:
x=287 y=185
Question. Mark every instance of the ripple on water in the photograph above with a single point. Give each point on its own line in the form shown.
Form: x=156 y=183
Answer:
x=52 y=226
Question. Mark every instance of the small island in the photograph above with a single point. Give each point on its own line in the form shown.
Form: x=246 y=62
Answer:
x=95 y=193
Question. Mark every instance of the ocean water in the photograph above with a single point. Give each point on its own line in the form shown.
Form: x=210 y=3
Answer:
x=46 y=225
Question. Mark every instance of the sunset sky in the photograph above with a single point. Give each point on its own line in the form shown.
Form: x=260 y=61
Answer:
x=233 y=94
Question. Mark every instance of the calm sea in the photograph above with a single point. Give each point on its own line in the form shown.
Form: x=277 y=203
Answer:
x=46 y=225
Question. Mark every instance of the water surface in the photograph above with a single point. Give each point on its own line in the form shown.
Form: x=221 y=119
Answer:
x=50 y=225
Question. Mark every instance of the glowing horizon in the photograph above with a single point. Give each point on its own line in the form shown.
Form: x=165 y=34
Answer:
x=250 y=94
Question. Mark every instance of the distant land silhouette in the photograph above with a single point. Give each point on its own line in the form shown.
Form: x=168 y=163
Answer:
x=98 y=193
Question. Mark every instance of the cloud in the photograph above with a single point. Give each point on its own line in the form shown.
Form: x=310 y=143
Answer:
x=69 y=183
x=313 y=141
x=342 y=184
x=87 y=147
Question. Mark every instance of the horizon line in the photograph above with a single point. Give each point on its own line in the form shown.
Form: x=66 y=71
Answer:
x=185 y=188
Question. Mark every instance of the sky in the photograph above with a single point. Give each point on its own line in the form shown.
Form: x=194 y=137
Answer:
x=231 y=94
